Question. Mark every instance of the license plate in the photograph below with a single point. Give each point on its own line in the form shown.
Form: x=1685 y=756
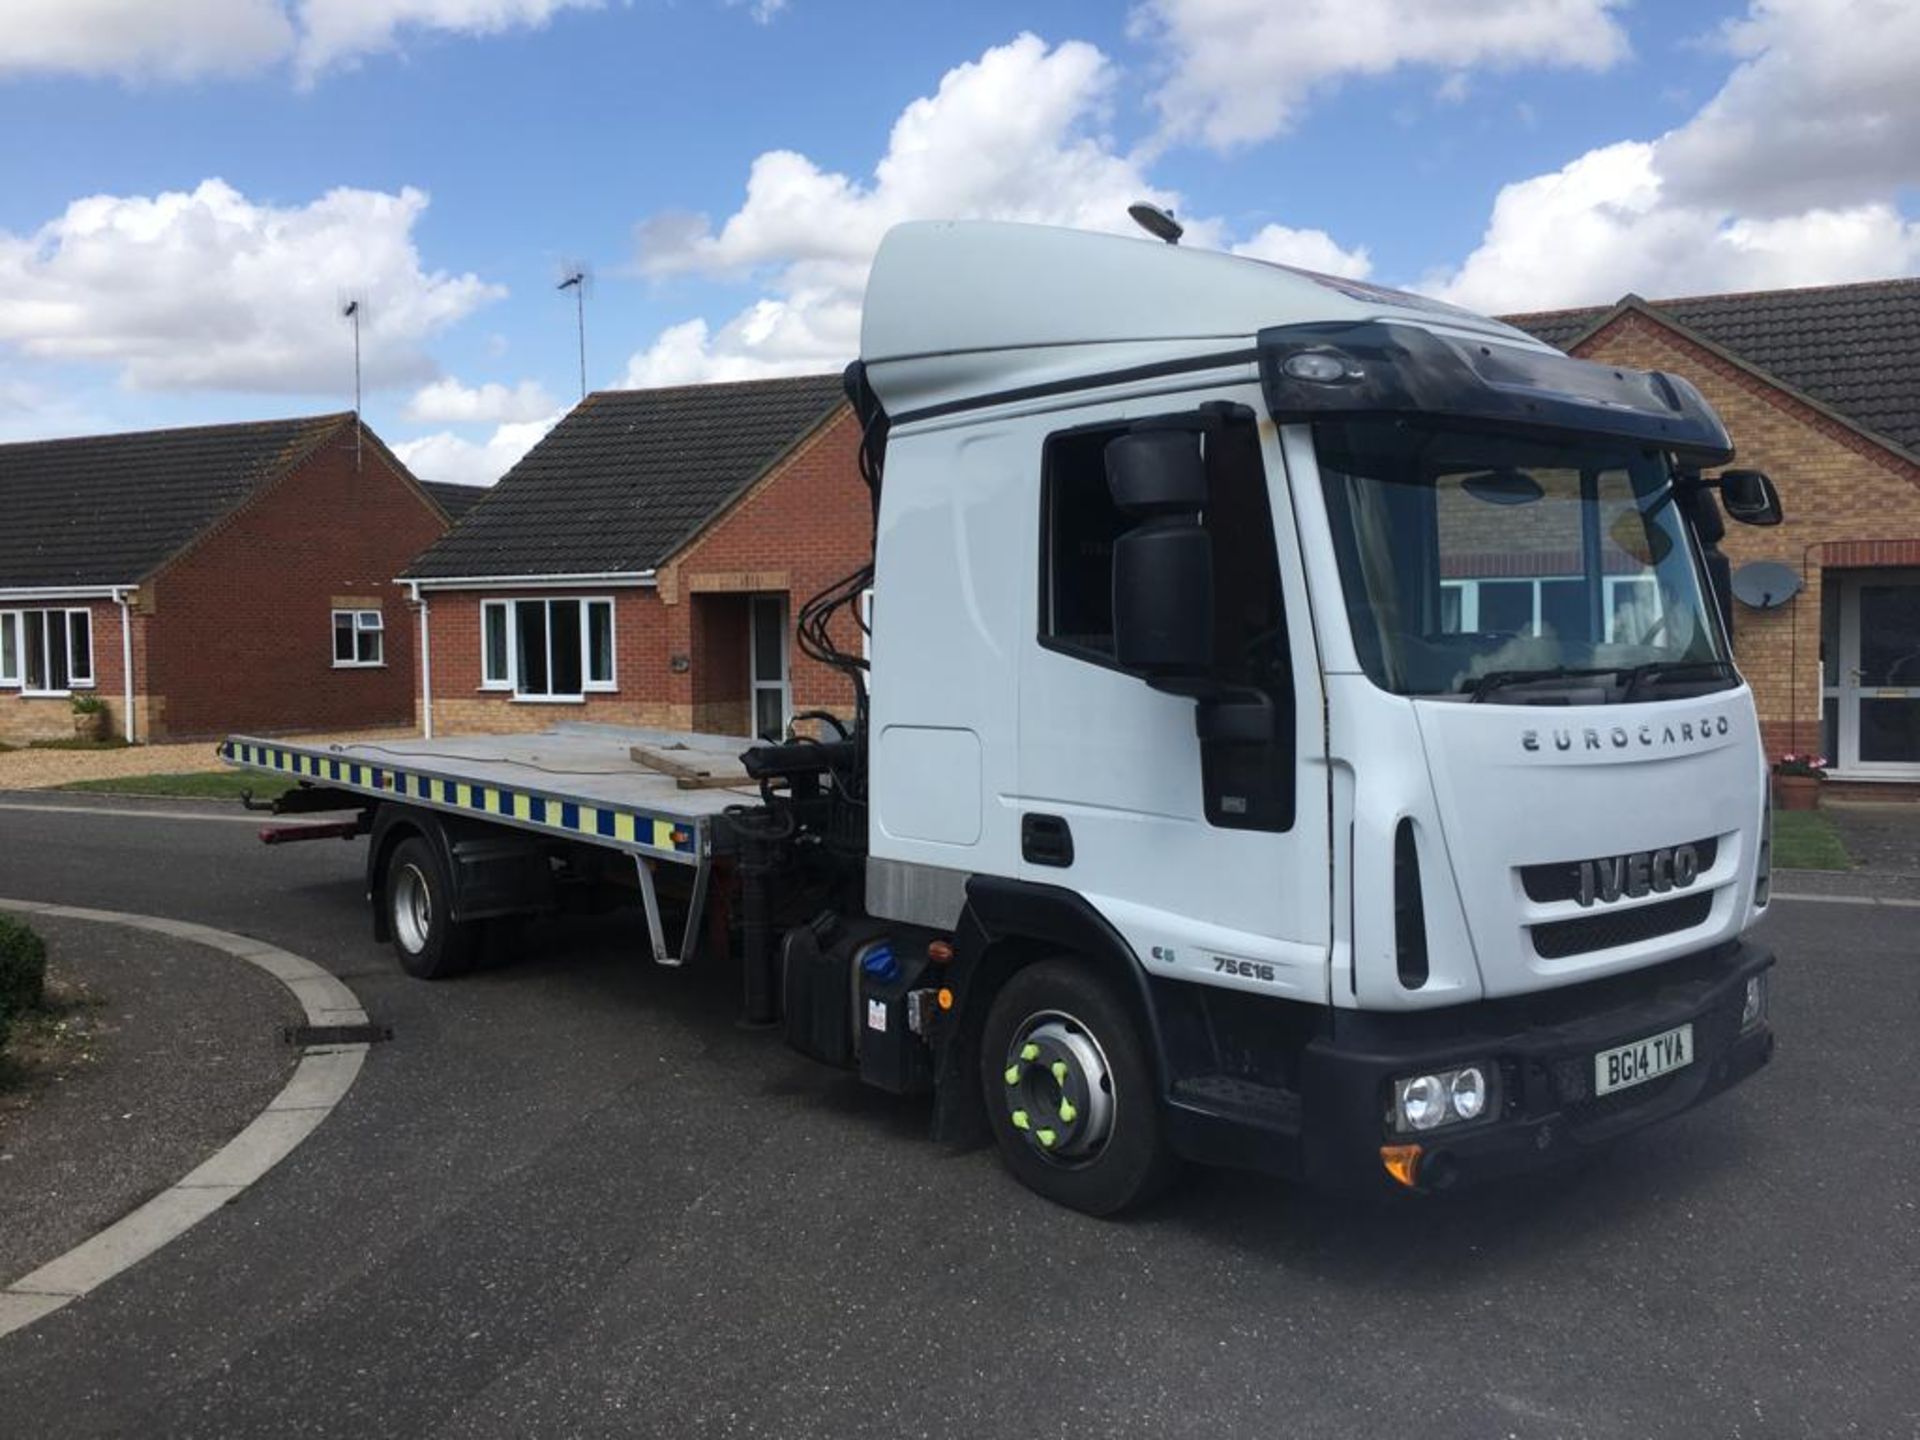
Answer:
x=1625 y=1066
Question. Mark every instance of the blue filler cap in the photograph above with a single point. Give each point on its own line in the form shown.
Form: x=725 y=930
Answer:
x=879 y=964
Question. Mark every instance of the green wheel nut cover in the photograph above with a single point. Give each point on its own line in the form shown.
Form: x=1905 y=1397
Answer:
x=1013 y=1074
x=1059 y=1068
x=1029 y=1052
x=1020 y=1120
x=1046 y=1138
x=1067 y=1112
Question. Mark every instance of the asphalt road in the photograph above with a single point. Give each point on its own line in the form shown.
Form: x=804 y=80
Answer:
x=571 y=1198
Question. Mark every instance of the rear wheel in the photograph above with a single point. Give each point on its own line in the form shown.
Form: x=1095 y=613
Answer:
x=430 y=943
x=1070 y=1091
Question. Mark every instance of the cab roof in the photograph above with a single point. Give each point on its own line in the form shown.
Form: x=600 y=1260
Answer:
x=952 y=287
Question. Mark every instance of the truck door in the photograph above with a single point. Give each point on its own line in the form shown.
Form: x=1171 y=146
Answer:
x=1112 y=796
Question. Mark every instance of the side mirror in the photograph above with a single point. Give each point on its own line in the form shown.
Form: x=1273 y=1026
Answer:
x=1750 y=498
x=1163 y=566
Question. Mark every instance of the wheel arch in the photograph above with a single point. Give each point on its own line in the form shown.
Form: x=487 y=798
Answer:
x=1005 y=926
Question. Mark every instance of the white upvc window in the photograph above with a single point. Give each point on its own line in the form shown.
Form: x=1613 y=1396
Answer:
x=558 y=649
x=46 y=652
x=359 y=639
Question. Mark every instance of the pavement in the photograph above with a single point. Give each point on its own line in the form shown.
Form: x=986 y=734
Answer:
x=570 y=1197
x=31 y=769
x=186 y=1049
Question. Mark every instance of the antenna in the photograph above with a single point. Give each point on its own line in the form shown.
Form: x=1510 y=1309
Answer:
x=351 y=311
x=1157 y=221
x=576 y=281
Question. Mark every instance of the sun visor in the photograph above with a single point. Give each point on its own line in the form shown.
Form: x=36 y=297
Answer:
x=1378 y=368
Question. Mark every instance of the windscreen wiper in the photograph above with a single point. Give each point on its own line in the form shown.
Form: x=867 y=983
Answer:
x=1640 y=675
x=1493 y=680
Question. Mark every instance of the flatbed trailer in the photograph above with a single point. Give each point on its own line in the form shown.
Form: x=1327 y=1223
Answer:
x=574 y=783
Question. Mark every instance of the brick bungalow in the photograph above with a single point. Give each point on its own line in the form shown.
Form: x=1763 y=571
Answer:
x=218 y=578
x=643 y=565
x=1820 y=388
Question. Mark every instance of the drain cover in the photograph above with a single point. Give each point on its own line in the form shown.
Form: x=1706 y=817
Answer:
x=336 y=1034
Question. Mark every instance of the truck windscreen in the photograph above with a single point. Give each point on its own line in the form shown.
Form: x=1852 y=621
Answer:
x=1485 y=566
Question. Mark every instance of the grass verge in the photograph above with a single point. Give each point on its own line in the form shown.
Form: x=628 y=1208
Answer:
x=205 y=785
x=1806 y=840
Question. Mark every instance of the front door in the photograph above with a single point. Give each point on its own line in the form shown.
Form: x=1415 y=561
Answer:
x=1111 y=795
x=1871 y=676
x=771 y=694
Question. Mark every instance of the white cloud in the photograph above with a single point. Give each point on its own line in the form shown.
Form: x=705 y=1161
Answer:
x=1823 y=110
x=335 y=30
x=447 y=456
x=447 y=402
x=1011 y=136
x=143 y=39
x=1602 y=226
x=1790 y=175
x=179 y=40
x=763 y=11
x=1307 y=250
x=208 y=289
x=1240 y=70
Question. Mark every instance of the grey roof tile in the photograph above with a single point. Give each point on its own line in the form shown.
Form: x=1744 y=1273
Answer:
x=1854 y=348
x=628 y=476
x=454 y=500
x=109 y=509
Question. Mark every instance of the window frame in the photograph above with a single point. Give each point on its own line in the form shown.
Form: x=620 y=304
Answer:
x=1044 y=615
x=17 y=619
x=507 y=608
x=756 y=684
x=359 y=628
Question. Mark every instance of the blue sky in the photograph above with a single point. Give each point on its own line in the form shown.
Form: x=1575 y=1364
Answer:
x=1509 y=153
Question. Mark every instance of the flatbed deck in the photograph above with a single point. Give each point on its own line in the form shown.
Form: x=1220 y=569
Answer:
x=573 y=781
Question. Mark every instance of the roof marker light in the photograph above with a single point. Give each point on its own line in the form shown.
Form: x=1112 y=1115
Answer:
x=1324 y=367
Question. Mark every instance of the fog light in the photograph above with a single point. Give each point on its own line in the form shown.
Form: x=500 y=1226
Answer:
x=1469 y=1093
x=1423 y=1102
x=1754 y=1008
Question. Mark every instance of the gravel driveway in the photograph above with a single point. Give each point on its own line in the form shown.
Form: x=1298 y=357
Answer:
x=31 y=769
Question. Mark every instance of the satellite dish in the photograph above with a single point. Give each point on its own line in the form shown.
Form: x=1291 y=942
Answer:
x=1765 y=584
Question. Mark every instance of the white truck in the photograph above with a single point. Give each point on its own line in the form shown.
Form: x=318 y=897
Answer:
x=1302 y=734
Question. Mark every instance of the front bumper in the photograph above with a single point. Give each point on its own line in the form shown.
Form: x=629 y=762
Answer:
x=1543 y=1047
x=1329 y=1126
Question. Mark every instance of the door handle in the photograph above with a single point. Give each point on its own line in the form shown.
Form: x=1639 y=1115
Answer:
x=1046 y=840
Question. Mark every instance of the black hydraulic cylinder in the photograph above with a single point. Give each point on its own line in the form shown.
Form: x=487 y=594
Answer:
x=762 y=837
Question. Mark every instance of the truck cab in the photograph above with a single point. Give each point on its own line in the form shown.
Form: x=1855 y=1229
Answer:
x=1332 y=685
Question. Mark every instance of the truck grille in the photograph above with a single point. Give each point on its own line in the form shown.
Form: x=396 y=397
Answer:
x=1560 y=879
x=1557 y=939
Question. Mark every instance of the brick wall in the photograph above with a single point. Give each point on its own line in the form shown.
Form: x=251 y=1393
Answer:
x=461 y=705
x=802 y=527
x=1848 y=502
x=25 y=718
x=241 y=625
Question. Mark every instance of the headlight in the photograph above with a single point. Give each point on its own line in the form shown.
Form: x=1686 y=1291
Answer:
x=1446 y=1097
x=1754 y=1008
x=1468 y=1094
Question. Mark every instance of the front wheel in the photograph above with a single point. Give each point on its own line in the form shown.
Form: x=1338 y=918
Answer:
x=430 y=943
x=1070 y=1091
